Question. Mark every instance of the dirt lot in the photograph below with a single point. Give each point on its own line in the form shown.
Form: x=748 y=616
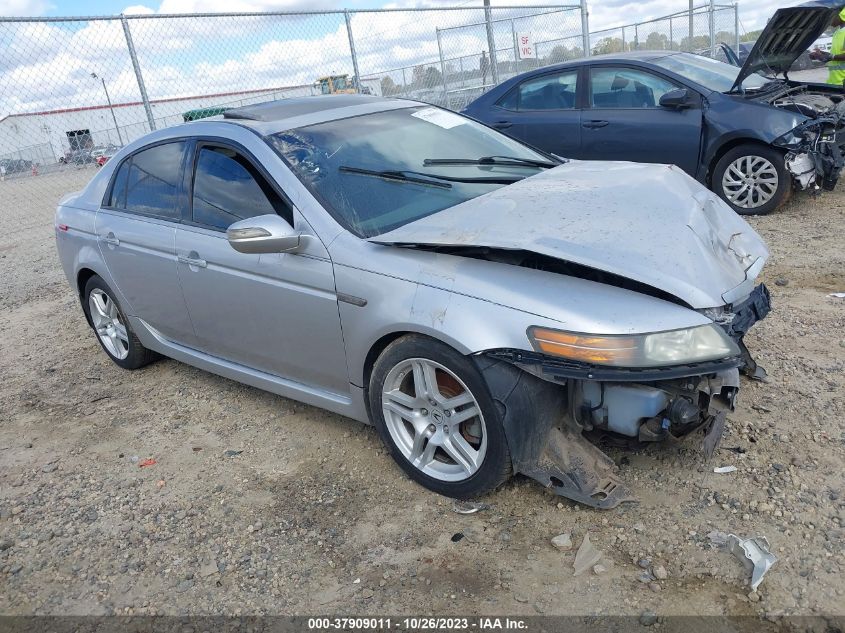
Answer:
x=313 y=517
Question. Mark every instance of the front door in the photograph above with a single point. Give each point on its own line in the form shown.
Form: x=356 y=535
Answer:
x=624 y=120
x=273 y=312
x=136 y=232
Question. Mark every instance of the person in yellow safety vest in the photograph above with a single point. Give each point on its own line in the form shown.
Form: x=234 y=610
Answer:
x=836 y=57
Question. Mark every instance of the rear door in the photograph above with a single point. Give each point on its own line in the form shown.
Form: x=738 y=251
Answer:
x=273 y=312
x=543 y=111
x=136 y=233
x=623 y=119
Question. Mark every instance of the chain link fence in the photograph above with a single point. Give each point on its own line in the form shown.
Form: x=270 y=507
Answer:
x=701 y=31
x=74 y=90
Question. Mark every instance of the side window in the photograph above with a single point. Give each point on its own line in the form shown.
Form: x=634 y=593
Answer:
x=626 y=88
x=510 y=101
x=117 y=199
x=153 y=181
x=549 y=92
x=228 y=188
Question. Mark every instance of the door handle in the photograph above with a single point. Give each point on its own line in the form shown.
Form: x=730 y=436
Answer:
x=111 y=239
x=502 y=125
x=595 y=124
x=192 y=261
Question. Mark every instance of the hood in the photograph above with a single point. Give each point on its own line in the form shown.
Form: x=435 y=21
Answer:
x=649 y=223
x=788 y=33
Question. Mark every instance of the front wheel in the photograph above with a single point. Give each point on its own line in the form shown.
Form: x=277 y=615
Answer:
x=752 y=179
x=434 y=412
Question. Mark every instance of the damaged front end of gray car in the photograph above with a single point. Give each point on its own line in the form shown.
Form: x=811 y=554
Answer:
x=578 y=404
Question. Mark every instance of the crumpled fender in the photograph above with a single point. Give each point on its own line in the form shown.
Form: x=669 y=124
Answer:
x=541 y=443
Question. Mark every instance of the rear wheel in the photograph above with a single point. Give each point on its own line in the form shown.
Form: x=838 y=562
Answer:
x=752 y=179
x=112 y=327
x=434 y=412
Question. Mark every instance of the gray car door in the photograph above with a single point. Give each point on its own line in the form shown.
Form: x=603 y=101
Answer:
x=136 y=232
x=274 y=312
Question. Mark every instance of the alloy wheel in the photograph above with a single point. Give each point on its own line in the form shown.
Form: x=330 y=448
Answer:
x=107 y=324
x=750 y=182
x=434 y=419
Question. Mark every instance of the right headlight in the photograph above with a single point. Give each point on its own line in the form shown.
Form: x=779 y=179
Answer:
x=656 y=349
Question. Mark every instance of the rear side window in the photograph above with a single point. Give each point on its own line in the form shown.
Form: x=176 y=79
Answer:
x=228 y=188
x=150 y=183
x=549 y=92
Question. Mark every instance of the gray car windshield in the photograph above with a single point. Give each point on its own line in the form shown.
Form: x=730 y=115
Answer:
x=380 y=171
x=710 y=73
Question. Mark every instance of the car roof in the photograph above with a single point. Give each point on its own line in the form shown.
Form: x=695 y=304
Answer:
x=630 y=56
x=284 y=114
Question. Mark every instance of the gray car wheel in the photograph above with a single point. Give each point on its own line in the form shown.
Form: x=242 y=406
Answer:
x=112 y=328
x=434 y=411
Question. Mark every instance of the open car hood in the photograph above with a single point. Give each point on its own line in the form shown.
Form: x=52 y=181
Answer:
x=788 y=33
x=649 y=223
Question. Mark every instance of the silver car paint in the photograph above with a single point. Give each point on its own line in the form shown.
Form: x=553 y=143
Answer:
x=472 y=305
x=650 y=223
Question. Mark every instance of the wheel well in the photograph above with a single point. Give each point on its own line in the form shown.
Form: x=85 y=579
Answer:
x=375 y=351
x=82 y=278
x=724 y=149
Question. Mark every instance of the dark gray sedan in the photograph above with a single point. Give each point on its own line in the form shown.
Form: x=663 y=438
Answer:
x=750 y=137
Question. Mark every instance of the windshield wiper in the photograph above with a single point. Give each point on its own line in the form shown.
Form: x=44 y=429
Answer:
x=422 y=178
x=511 y=161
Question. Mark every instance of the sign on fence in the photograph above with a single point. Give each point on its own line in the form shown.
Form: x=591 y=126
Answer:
x=526 y=46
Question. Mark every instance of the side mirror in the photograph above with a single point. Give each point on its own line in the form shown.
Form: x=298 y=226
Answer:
x=264 y=234
x=676 y=99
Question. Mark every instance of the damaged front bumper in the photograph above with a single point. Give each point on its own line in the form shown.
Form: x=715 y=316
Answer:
x=815 y=155
x=551 y=406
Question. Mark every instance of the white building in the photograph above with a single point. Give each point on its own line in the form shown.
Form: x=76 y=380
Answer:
x=44 y=137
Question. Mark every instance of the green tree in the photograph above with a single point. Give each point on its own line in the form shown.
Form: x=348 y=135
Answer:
x=388 y=87
x=608 y=45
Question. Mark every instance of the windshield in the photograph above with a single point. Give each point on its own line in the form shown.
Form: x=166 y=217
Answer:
x=710 y=73
x=380 y=171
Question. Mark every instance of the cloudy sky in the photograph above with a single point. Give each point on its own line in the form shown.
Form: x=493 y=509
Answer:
x=604 y=13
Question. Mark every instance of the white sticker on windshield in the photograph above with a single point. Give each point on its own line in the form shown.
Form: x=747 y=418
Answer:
x=440 y=118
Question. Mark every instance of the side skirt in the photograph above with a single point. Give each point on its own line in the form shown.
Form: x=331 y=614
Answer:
x=350 y=405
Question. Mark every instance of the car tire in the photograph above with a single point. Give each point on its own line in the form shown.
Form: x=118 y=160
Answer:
x=753 y=179
x=112 y=328
x=461 y=459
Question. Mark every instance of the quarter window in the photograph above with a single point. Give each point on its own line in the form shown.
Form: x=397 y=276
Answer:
x=151 y=182
x=228 y=188
x=626 y=88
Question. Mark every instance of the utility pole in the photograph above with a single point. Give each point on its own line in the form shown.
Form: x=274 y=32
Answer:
x=111 y=107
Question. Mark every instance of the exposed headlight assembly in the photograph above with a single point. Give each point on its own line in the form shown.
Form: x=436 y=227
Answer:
x=657 y=349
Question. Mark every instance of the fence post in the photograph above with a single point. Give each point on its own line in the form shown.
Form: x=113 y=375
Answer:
x=442 y=70
x=404 y=82
x=736 y=28
x=691 y=24
x=516 y=49
x=352 y=50
x=491 y=43
x=624 y=43
x=712 y=27
x=671 y=35
x=585 y=27
x=137 y=67
x=636 y=37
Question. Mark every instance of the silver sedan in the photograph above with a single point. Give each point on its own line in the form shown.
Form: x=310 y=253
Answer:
x=488 y=307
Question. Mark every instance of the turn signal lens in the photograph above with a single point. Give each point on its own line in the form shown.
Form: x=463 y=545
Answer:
x=674 y=347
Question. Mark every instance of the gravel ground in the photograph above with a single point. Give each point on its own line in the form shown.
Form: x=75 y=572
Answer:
x=311 y=516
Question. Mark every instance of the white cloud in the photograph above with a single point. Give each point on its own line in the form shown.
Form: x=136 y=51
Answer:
x=25 y=8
